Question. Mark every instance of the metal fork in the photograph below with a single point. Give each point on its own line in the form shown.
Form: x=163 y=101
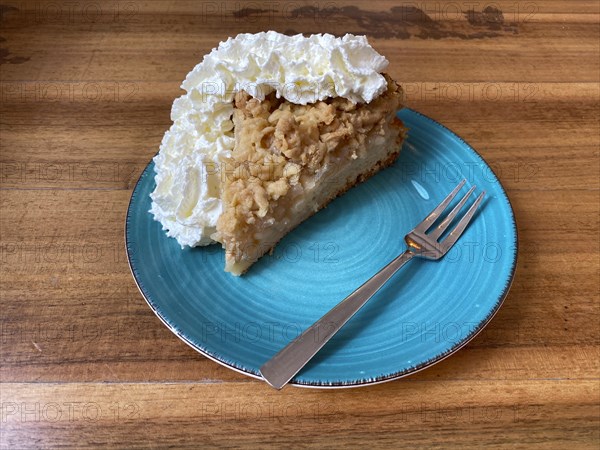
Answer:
x=280 y=369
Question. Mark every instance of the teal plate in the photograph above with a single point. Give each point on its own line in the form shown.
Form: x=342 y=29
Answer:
x=426 y=312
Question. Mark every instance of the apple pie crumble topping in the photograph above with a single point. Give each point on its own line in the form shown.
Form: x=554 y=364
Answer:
x=284 y=151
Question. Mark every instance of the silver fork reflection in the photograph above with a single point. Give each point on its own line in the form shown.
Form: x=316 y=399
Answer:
x=282 y=367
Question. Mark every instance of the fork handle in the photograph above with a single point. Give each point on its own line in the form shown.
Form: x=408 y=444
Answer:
x=282 y=367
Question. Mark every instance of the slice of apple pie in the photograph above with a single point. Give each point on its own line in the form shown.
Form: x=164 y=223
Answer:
x=270 y=130
x=290 y=160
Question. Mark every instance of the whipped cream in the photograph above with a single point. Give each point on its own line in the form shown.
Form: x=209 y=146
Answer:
x=300 y=69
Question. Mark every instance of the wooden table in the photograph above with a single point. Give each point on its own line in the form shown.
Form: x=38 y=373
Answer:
x=86 y=95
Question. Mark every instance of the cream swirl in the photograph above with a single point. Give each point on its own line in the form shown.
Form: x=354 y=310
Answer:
x=300 y=69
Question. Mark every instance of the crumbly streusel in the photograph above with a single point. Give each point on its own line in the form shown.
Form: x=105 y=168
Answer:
x=282 y=148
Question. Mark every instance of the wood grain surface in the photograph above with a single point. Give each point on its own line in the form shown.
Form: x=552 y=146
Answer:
x=86 y=90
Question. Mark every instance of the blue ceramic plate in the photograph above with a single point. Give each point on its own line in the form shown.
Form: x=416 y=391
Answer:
x=425 y=313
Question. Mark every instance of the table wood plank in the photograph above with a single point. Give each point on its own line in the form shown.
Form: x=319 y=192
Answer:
x=497 y=414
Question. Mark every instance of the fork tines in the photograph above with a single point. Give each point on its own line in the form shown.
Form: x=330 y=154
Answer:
x=452 y=237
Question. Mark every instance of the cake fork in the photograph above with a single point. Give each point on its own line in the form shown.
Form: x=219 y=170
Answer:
x=282 y=367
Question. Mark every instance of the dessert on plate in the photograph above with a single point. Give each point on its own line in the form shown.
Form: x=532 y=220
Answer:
x=271 y=129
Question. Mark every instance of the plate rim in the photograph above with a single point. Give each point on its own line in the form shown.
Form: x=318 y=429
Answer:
x=361 y=382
